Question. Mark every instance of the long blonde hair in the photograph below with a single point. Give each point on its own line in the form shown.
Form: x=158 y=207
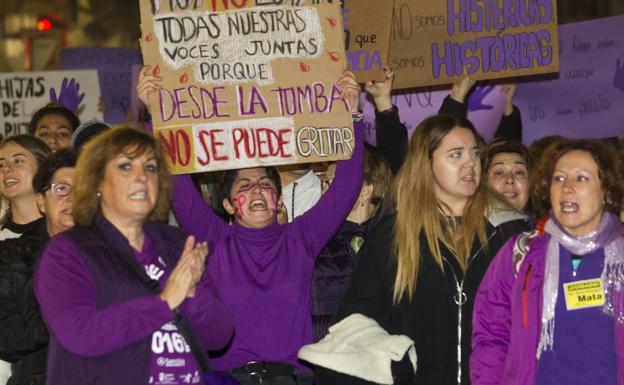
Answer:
x=420 y=211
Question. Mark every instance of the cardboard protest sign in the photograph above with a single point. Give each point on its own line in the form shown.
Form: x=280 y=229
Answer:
x=23 y=93
x=246 y=82
x=587 y=99
x=485 y=109
x=432 y=39
x=367 y=25
x=114 y=70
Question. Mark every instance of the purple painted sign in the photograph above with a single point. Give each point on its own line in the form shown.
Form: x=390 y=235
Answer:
x=485 y=109
x=587 y=100
x=114 y=70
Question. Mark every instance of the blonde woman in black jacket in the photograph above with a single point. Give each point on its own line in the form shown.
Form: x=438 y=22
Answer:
x=418 y=273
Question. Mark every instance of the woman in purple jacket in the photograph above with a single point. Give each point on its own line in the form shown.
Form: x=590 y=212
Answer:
x=550 y=309
x=106 y=325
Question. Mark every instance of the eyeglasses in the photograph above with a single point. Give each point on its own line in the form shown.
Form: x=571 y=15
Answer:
x=61 y=189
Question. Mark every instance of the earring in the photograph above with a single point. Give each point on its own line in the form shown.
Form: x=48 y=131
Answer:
x=98 y=194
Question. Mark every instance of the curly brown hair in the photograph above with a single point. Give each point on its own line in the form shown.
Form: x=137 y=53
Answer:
x=91 y=167
x=610 y=171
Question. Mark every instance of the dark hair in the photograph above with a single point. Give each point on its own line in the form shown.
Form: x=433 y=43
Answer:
x=610 y=172
x=53 y=109
x=502 y=146
x=229 y=176
x=377 y=173
x=91 y=166
x=85 y=132
x=35 y=146
x=62 y=158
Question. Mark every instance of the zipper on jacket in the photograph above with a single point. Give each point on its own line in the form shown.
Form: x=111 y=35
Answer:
x=525 y=286
x=460 y=298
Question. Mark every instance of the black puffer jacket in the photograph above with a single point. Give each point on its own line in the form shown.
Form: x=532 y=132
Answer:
x=23 y=335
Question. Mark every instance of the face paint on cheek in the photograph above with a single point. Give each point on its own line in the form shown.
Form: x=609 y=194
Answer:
x=274 y=199
x=239 y=201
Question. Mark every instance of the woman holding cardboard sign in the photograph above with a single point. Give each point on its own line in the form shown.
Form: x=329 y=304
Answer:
x=550 y=309
x=262 y=269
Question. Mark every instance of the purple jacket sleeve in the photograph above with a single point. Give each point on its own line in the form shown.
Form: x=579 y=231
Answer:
x=193 y=214
x=317 y=226
x=491 y=320
x=65 y=291
x=208 y=316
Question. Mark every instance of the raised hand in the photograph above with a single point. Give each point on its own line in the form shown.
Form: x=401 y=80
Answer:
x=461 y=88
x=69 y=96
x=510 y=92
x=350 y=90
x=618 y=78
x=380 y=91
x=148 y=83
x=475 y=100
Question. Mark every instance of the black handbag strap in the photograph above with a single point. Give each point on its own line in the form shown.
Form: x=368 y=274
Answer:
x=183 y=327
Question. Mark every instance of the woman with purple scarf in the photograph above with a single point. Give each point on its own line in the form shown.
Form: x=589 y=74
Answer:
x=550 y=309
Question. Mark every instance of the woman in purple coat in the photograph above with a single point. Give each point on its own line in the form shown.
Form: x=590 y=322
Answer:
x=550 y=309
x=107 y=326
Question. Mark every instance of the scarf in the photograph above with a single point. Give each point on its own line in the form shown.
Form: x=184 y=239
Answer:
x=608 y=235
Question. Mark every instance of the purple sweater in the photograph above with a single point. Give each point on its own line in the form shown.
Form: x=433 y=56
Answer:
x=264 y=276
x=507 y=320
x=101 y=316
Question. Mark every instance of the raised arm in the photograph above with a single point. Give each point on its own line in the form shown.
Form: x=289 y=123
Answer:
x=510 y=126
x=491 y=321
x=456 y=104
x=317 y=226
x=194 y=214
x=390 y=132
x=66 y=295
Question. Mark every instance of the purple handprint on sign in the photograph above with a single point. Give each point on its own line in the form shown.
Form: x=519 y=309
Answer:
x=618 y=79
x=69 y=96
x=475 y=99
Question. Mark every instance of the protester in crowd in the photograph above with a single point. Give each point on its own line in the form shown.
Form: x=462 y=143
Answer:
x=418 y=272
x=23 y=335
x=108 y=325
x=85 y=132
x=54 y=124
x=555 y=294
x=392 y=136
x=20 y=156
x=338 y=258
x=262 y=269
x=507 y=165
x=301 y=188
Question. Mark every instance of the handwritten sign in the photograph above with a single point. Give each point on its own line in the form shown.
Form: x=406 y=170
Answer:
x=432 y=40
x=367 y=25
x=587 y=99
x=247 y=82
x=114 y=70
x=23 y=93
